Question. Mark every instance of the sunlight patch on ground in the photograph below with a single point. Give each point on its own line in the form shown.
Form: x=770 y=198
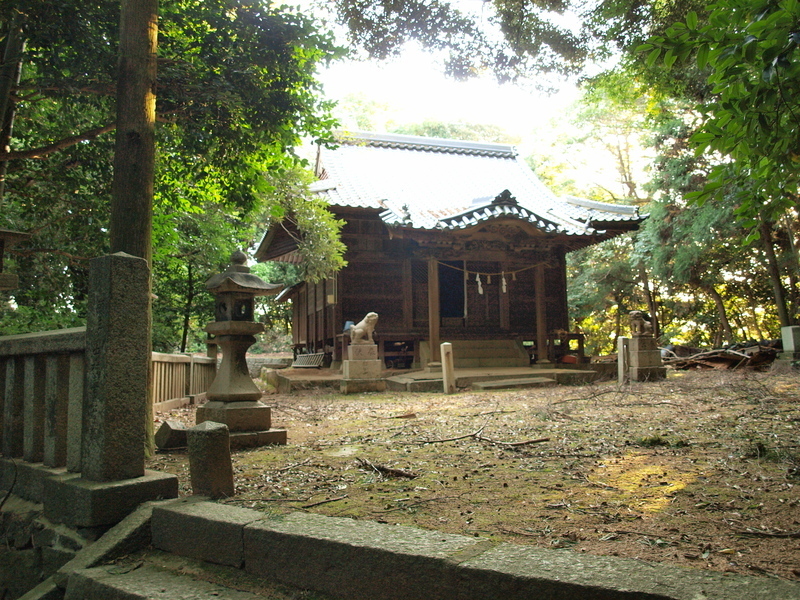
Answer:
x=648 y=484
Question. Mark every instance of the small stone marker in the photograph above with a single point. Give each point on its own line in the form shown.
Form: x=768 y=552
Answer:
x=622 y=360
x=448 y=368
x=171 y=434
x=210 y=464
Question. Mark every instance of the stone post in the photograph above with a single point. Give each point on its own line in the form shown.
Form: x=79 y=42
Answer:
x=622 y=360
x=210 y=465
x=118 y=363
x=448 y=369
x=113 y=480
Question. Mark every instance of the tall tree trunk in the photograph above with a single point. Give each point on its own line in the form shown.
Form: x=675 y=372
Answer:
x=652 y=308
x=725 y=326
x=187 y=309
x=134 y=150
x=9 y=77
x=779 y=292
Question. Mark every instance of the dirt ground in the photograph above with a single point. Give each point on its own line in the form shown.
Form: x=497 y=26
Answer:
x=700 y=470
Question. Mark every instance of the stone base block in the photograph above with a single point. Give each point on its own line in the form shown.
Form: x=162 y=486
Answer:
x=362 y=369
x=238 y=416
x=648 y=373
x=26 y=478
x=357 y=386
x=78 y=502
x=254 y=439
x=362 y=352
x=647 y=358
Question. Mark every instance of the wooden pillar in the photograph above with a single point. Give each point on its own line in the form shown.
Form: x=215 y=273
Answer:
x=433 y=309
x=408 y=297
x=541 y=315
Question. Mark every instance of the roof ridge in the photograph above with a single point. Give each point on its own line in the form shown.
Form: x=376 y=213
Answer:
x=414 y=142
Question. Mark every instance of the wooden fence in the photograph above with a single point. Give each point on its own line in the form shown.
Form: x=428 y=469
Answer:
x=177 y=376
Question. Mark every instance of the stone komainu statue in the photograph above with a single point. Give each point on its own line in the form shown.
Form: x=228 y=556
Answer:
x=640 y=325
x=361 y=332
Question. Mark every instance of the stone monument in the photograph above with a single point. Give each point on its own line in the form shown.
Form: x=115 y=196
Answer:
x=362 y=369
x=233 y=398
x=644 y=356
x=789 y=357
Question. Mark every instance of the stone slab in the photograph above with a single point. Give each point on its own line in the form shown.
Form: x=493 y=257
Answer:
x=238 y=416
x=27 y=479
x=358 y=386
x=362 y=352
x=502 y=384
x=362 y=369
x=171 y=434
x=47 y=342
x=255 y=439
x=46 y=590
x=355 y=559
x=145 y=583
x=79 y=502
x=202 y=530
x=367 y=560
x=131 y=534
x=514 y=572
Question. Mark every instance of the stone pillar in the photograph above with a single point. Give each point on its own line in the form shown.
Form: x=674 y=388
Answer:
x=210 y=464
x=645 y=359
x=113 y=480
x=787 y=359
x=77 y=374
x=56 y=399
x=448 y=369
x=623 y=360
x=13 y=439
x=118 y=364
x=33 y=409
x=791 y=342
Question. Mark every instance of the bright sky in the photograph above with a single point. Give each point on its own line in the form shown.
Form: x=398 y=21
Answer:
x=416 y=89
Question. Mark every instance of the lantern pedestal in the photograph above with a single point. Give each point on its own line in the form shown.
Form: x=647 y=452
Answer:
x=233 y=398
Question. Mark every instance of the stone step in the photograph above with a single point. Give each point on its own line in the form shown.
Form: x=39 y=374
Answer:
x=144 y=582
x=504 y=384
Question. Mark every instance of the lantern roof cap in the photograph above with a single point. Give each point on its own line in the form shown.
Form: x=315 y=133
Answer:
x=238 y=278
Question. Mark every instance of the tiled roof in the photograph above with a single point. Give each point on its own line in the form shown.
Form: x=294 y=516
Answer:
x=428 y=183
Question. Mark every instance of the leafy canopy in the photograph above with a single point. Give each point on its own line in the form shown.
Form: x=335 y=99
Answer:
x=751 y=122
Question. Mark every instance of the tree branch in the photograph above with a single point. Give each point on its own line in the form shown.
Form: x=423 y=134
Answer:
x=59 y=145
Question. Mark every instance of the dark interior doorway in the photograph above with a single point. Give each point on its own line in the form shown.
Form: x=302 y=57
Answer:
x=451 y=289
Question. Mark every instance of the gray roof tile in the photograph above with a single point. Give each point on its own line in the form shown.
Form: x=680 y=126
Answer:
x=428 y=183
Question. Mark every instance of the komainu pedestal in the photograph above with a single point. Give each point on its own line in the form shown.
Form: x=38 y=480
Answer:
x=362 y=369
x=644 y=359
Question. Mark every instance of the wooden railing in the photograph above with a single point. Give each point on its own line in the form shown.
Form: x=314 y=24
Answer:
x=180 y=375
x=42 y=393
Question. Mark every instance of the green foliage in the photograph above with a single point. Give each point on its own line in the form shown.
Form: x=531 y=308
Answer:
x=237 y=90
x=289 y=200
x=751 y=52
x=476 y=132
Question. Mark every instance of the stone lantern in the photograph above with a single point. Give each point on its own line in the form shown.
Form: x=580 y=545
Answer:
x=233 y=398
x=9 y=238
